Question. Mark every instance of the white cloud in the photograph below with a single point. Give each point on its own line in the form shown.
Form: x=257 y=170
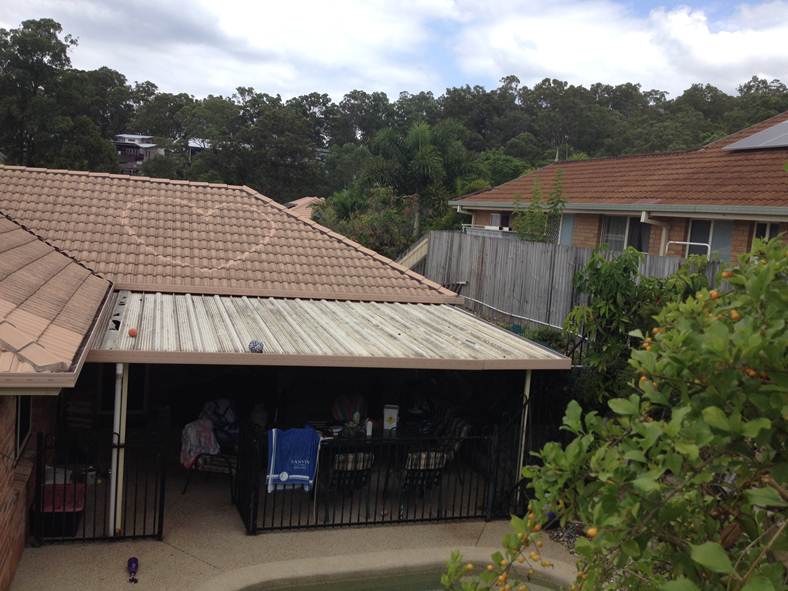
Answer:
x=601 y=41
x=298 y=46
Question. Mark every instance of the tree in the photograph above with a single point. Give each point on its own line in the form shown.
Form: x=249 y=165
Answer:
x=32 y=60
x=539 y=222
x=681 y=486
x=378 y=218
x=160 y=116
x=497 y=167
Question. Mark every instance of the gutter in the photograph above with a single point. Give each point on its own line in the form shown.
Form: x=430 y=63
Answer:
x=739 y=211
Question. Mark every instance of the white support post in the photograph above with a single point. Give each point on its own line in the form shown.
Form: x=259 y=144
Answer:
x=663 y=241
x=118 y=449
x=524 y=425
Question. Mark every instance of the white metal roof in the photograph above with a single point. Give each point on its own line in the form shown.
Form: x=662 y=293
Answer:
x=213 y=329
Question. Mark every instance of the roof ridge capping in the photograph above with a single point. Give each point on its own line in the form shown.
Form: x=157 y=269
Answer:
x=119 y=176
x=351 y=243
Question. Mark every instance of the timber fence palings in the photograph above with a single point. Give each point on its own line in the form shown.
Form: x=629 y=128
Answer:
x=529 y=279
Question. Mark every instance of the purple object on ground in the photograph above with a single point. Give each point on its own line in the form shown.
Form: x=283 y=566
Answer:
x=133 y=566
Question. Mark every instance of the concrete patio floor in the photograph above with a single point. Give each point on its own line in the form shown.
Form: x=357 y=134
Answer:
x=204 y=538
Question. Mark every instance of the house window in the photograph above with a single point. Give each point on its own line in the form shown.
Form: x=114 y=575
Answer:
x=766 y=231
x=24 y=417
x=700 y=235
x=619 y=232
x=500 y=220
x=638 y=235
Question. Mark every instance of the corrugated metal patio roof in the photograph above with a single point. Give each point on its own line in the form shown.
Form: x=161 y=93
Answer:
x=213 y=329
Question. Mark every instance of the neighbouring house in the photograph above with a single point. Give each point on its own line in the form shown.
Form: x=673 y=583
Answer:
x=717 y=198
x=131 y=306
x=134 y=150
x=303 y=206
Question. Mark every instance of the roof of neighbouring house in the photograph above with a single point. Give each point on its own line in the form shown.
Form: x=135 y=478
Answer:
x=49 y=307
x=152 y=234
x=710 y=178
x=302 y=207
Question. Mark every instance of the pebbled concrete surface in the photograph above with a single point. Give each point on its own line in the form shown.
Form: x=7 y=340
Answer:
x=204 y=540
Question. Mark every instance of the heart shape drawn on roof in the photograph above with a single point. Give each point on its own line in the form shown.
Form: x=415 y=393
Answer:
x=229 y=239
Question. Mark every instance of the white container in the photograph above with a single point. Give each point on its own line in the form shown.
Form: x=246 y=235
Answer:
x=59 y=475
x=369 y=427
x=390 y=416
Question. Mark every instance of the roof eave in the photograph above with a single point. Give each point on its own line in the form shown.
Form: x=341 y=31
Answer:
x=270 y=359
x=678 y=208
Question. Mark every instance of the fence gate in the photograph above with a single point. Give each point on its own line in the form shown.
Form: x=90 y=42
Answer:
x=75 y=499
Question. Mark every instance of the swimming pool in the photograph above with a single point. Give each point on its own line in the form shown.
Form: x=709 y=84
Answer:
x=412 y=569
x=410 y=581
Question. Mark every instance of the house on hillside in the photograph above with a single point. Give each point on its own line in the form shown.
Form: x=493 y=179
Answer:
x=137 y=313
x=717 y=198
x=303 y=206
x=134 y=150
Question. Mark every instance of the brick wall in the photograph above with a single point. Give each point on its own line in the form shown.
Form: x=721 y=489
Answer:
x=16 y=480
x=481 y=218
x=741 y=238
x=677 y=231
x=12 y=495
x=586 y=230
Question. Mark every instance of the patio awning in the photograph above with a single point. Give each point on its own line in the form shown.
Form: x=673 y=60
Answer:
x=213 y=329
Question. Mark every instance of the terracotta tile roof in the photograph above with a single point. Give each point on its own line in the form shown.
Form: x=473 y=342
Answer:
x=302 y=207
x=707 y=176
x=49 y=304
x=164 y=235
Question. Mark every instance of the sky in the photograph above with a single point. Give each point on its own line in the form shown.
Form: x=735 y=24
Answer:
x=293 y=47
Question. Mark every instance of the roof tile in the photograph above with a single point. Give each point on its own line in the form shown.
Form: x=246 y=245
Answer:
x=48 y=304
x=707 y=176
x=159 y=234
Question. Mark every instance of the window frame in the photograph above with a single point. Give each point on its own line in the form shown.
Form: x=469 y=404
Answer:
x=606 y=221
x=768 y=235
x=20 y=440
x=689 y=235
x=502 y=216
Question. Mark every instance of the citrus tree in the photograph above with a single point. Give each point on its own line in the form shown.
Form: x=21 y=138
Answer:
x=683 y=486
x=619 y=299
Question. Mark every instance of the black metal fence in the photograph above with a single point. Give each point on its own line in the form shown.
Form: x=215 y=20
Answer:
x=75 y=499
x=373 y=481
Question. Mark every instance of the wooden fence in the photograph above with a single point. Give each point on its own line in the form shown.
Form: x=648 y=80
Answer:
x=528 y=279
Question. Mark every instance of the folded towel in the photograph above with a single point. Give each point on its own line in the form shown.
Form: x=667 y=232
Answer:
x=292 y=458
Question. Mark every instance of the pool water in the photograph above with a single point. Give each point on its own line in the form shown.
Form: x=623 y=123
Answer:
x=424 y=581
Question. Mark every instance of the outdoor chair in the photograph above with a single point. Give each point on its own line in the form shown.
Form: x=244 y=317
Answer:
x=423 y=468
x=349 y=470
x=221 y=463
x=222 y=457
